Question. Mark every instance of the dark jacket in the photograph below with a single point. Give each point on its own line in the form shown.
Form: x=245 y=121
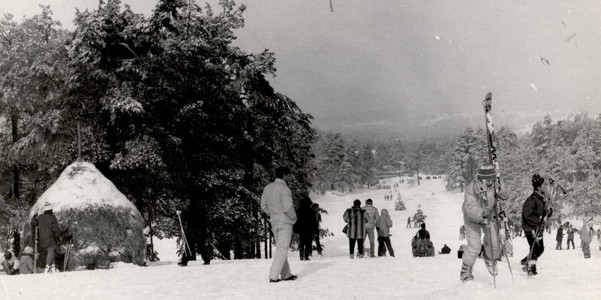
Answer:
x=306 y=221
x=356 y=218
x=532 y=210
x=559 y=236
x=47 y=229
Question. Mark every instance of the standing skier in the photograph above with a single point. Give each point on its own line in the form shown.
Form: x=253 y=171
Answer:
x=478 y=216
x=533 y=210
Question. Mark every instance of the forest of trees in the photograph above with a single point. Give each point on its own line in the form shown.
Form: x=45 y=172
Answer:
x=164 y=106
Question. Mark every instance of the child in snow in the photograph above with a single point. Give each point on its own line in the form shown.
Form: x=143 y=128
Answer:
x=384 y=224
x=10 y=265
x=445 y=250
x=26 y=261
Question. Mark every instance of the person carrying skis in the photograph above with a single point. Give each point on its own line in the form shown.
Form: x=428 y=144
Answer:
x=478 y=217
x=533 y=210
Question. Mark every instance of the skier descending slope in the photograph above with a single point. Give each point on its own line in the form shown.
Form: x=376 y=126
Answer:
x=478 y=214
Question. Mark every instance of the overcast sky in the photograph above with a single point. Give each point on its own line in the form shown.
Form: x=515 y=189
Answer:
x=417 y=67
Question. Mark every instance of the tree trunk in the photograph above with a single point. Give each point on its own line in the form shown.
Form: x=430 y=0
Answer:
x=15 y=131
x=417 y=171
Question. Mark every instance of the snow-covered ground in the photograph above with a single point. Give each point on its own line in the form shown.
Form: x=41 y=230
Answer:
x=562 y=274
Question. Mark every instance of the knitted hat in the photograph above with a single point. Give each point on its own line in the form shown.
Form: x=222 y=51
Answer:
x=28 y=250
x=486 y=172
x=537 y=181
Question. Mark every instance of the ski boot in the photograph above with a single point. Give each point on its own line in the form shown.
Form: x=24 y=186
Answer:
x=50 y=269
x=466 y=273
x=532 y=268
x=491 y=266
x=524 y=263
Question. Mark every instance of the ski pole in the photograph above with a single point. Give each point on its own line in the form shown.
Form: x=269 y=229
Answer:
x=187 y=247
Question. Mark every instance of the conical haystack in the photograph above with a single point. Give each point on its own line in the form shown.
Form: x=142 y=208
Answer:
x=106 y=227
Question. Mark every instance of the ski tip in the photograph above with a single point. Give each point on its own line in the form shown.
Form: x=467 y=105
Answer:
x=489 y=96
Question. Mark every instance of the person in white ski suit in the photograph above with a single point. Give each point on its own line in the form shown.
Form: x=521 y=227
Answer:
x=478 y=217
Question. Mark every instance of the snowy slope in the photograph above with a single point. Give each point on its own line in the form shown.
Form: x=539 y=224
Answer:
x=563 y=274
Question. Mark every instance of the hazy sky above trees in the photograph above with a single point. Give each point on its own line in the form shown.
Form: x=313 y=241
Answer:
x=417 y=67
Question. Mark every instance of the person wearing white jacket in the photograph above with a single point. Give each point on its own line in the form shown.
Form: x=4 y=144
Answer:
x=478 y=217
x=276 y=201
x=384 y=225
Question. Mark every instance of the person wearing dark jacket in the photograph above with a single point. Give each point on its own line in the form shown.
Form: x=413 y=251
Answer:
x=534 y=208
x=423 y=232
x=559 y=237
x=48 y=235
x=317 y=210
x=356 y=217
x=445 y=250
x=306 y=227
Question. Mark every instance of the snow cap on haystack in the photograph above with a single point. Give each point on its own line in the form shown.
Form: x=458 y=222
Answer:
x=80 y=186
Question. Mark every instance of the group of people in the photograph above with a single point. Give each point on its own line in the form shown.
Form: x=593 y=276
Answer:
x=364 y=222
x=481 y=227
x=586 y=237
x=480 y=219
x=47 y=234
x=480 y=216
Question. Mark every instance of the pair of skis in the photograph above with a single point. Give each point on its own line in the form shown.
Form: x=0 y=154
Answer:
x=492 y=155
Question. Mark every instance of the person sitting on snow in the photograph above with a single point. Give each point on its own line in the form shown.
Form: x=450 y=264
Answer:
x=445 y=250
x=10 y=265
x=421 y=245
x=26 y=261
